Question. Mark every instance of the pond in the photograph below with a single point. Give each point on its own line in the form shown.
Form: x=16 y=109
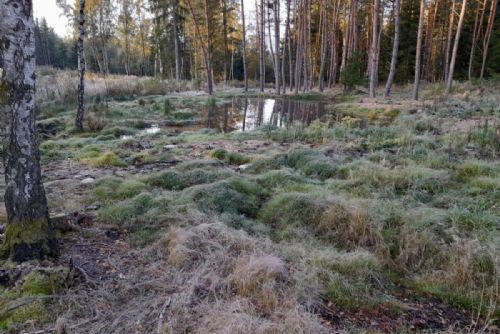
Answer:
x=246 y=114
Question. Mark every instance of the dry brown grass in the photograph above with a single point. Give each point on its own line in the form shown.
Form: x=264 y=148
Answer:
x=53 y=84
x=348 y=225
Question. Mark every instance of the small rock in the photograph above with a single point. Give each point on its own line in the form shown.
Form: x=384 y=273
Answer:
x=242 y=168
x=93 y=207
x=88 y=180
x=170 y=147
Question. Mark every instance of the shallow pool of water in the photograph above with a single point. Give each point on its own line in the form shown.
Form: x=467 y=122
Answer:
x=245 y=114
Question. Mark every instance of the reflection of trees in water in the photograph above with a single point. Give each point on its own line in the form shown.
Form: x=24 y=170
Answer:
x=248 y=114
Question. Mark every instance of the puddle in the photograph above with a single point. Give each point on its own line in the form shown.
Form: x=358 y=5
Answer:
x=144 y=132
x=246 y=114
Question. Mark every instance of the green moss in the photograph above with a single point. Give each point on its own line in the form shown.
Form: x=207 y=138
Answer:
x=44 y=282
x=34 y=234
x=35 y=311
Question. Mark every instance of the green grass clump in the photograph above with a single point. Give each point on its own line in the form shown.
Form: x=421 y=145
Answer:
x=125 y=212
x=109 y=189
x=312 y=163
x=293 y=208
x=177 y=180
x=106 y=159
x=234 y=195
x=231 y=158
x=473 y=168
x=263 y=165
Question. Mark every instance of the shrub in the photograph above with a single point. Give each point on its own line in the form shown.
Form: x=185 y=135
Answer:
x=353 y=74
x=168 y=107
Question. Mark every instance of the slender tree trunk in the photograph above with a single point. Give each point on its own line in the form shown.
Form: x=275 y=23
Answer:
x=487 y=36
x=28 y=233
x=298 y=58
x=175 y=22
x=262 y=44
x=323 y=48
x=448 y=41
x=478 y=23
x=373 y=67
x=455 y=47
x=126 y=13
x=277 y=69
x=290 y=63
x=81 y=68
x=285 y=46
x=224 y=28
x=418 y=57
x=209 y=50
x=395 y=48
x=205 y=48
x=244 y=46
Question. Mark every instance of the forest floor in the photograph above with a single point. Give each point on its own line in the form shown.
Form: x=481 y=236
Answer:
x=331 y=213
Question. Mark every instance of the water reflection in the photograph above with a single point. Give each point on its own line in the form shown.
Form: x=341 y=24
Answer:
x=245 y=114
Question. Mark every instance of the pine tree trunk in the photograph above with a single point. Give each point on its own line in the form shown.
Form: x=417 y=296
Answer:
x=418 y=57
x=373 y=58
x=204 y=48
x=487 y=36
x=455 y=47
x=81 y=67
x=245 y=75
x=28 y=233
x=209 y=51
x=395 y=48
x=478 y=23
x=277 y=68
x=224 y=28
x=262 y=39
x=176 y=40
x=323 y=49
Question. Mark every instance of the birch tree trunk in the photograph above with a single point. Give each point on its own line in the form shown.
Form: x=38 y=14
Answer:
x=455 y=47
x=448 y=41
x=29 y=230
x=81 y=67
x=395 y=48
x=418 y=57
x=245 y=75
x=373 y=58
